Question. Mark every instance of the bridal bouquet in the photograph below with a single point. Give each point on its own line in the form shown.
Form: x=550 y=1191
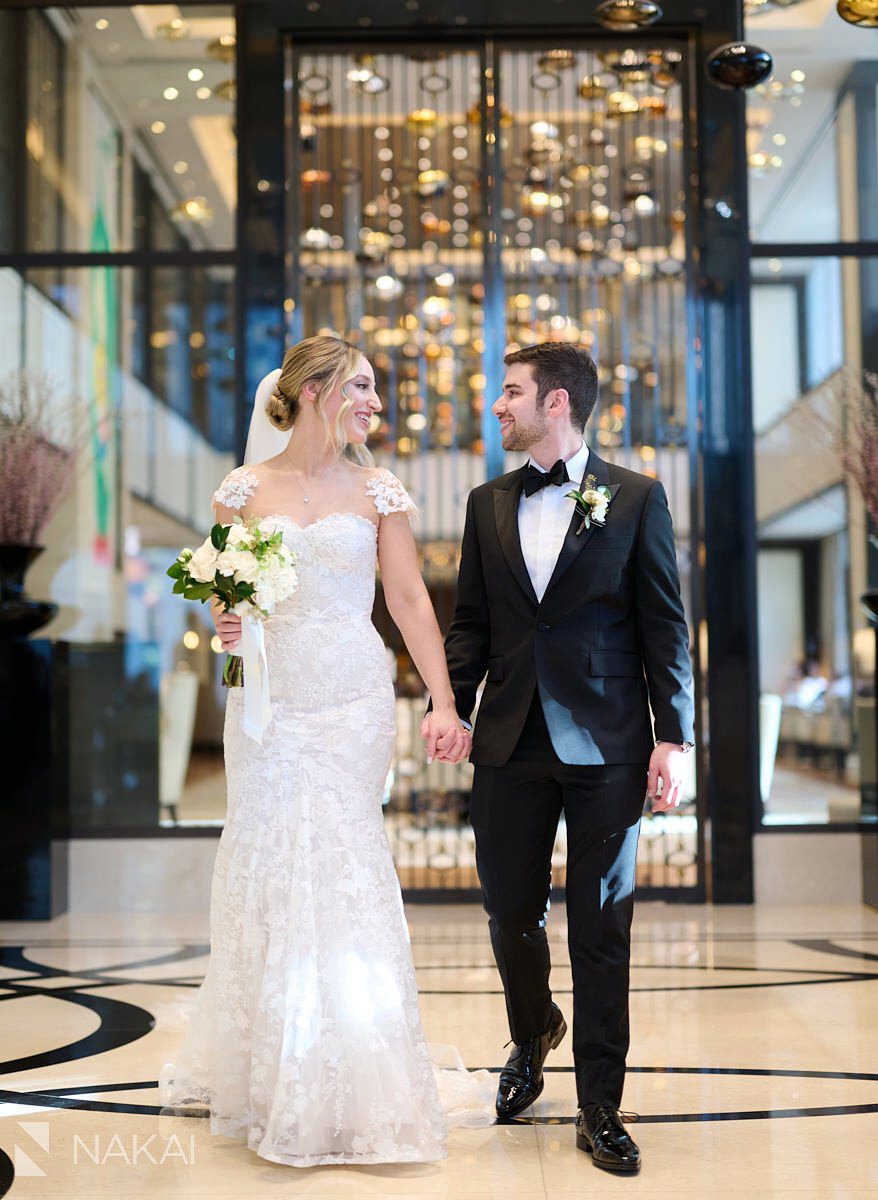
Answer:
x=250 y=572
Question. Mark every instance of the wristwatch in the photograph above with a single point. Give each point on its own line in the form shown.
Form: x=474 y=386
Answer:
x=684 y=746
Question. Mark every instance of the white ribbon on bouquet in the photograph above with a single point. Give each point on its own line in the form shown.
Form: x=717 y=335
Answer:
x=257 y=694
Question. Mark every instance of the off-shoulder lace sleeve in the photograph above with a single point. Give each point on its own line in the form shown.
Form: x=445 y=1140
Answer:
x=236 y=489
x=389 y=494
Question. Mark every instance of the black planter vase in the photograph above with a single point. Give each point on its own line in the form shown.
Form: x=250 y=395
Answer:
x=869 y=601
x=869 y=790
x=20 y=616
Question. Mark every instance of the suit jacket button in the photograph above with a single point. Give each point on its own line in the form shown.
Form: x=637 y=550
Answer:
x=542 y=626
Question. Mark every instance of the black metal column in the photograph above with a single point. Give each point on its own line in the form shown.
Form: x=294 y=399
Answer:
x=729 y=515
x=260 y=222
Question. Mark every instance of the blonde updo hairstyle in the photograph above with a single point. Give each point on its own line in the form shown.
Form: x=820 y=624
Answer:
x=327 y=361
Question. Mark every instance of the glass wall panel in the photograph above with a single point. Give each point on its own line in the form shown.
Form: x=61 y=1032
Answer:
x=121 y=123
x=810 y=336
x=812 y=157
x=451 y=204
x=147 y=386
x=388 y=220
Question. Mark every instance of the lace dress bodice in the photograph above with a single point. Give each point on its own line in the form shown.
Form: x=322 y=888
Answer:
x=336 y=554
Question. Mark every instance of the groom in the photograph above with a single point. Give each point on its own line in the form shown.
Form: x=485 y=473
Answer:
x=580 y=629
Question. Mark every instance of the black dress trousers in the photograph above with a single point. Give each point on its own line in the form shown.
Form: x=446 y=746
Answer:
x=514 y=811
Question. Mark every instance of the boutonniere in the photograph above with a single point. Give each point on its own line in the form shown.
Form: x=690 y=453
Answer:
x=592 y=502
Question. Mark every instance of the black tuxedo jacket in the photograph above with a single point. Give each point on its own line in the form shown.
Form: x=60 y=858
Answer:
x=608 y=640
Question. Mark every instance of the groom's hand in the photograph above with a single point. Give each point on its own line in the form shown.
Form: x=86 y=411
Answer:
x=666 y=764
x=444 y=737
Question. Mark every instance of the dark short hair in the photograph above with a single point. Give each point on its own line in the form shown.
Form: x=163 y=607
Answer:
x=562 y=365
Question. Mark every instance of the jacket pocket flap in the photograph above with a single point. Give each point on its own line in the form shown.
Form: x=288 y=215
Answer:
x=615 y=662
x=495 y=670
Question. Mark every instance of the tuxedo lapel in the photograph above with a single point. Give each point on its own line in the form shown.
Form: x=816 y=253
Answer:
x=506 y=502
x=573 y=545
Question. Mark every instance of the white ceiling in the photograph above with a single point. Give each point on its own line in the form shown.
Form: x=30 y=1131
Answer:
x=814 y=519
x=134 y=64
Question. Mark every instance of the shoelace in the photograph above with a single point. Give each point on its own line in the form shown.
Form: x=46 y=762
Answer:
x=628 y=1118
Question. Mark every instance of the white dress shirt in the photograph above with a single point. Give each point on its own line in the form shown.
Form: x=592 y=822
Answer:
x=543 y=521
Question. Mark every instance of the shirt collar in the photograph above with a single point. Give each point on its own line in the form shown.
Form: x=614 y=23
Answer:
x=575 y=465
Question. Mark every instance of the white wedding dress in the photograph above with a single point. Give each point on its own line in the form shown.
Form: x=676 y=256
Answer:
x=305 y=1036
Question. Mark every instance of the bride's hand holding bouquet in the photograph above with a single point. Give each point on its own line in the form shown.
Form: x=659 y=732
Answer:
x=245 y=573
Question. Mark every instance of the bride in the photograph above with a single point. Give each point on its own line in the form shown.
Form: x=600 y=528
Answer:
x=305 y=1036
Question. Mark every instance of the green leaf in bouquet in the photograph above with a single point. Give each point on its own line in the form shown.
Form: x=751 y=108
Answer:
x=199 y=591
x=245 y=591
x=176 y=570
x=224 y=587
x=218 y=536
x=180 y=586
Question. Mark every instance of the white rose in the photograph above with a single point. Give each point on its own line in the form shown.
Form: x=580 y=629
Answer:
x=240 y=563
x=265 y=597
x=238 y=535
x=599 y=514
x=202 y=564
x=593 y=497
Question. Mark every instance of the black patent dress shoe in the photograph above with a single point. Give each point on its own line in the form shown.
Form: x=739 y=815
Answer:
x=521 y=1080
x=600 y=1132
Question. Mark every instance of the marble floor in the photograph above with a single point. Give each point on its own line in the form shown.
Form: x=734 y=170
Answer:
x=753 y=1064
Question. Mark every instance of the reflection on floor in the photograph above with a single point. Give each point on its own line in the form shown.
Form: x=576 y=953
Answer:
x=752 y=1066
x=801 y=795
x=434 y=848
x=203 y=801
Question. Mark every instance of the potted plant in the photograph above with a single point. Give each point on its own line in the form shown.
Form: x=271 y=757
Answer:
x=36 y=471
x=857 y=400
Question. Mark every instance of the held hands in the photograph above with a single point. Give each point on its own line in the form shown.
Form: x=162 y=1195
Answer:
x=228 y=627
x=444 y=736
x=667 y=764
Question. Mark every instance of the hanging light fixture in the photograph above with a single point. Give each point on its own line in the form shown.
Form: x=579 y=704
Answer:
x=862 y=13
x=374 y=243
x=432 y=182
x=592 y=87
x=225 y=91
x=315 y=238
x=622 y=104
x=388 y=287
x=474 y=114
x=625 y=16
x=542 y=151
x=557 y=60
x=738 y=65
x=666 y=69
x=315 y=177
x=364 y=78
x=423 y=121
x=754 y=8
x=173 y=31
x=653 y=106
x=195 y=209
x=629 y=62
x=222 y=49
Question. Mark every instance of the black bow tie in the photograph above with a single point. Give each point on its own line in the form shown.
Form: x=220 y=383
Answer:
x=534 y=478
